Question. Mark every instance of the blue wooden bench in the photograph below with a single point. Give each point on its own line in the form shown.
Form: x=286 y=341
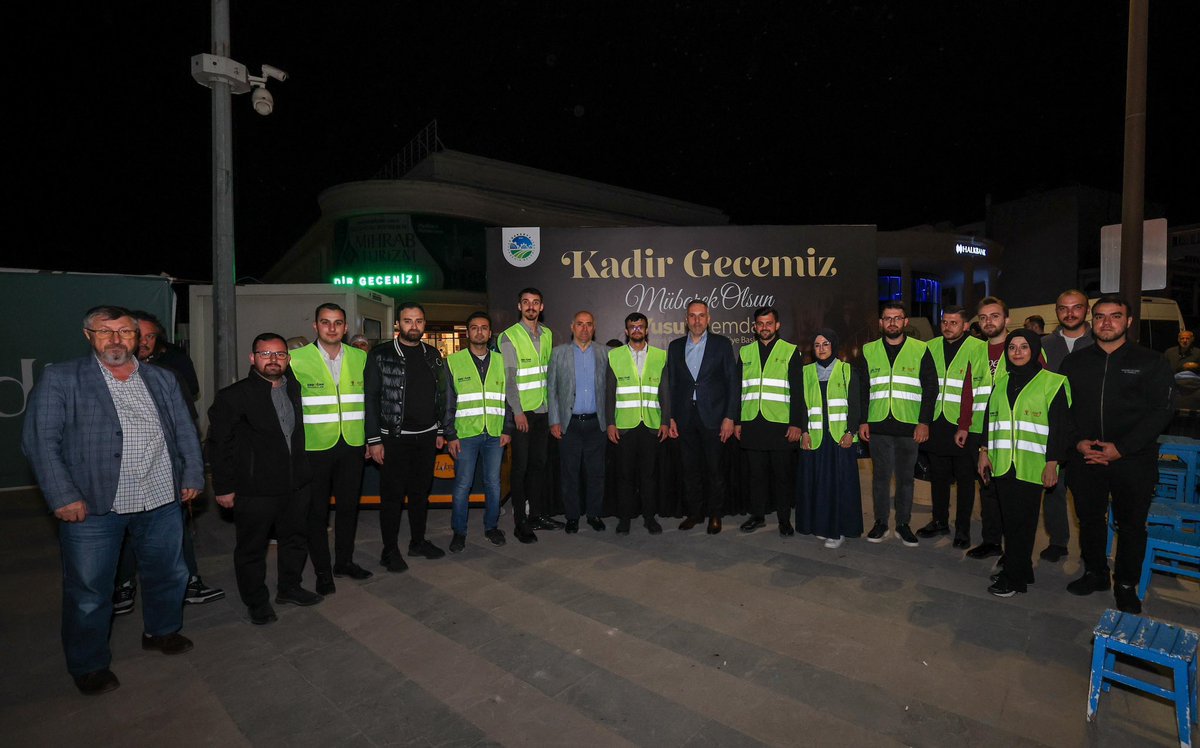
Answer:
x=1150 y=641
x=1170 y=550
x=1177 y=515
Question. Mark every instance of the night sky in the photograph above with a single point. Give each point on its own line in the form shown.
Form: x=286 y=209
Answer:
x=890 y=113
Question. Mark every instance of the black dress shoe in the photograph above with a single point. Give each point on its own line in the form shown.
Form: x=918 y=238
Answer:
x=1127 y=599
x=572 y=526
x=426 y=549
x=689 y=522
x=261 y=615
x=985 y=550
x=751 y=524
x=171 y=644
x=623 y=527
x=933 y=529
x=786 y=530
x=652 y=526
x=961 y=541
x=457 y=543
x=596 y=524
x=392 y=560
x=496 y=536
x=543 y=522
x=325 y=585
x=523 y=534
x=714 y=525
x=1090 y=582
x=1054 y=553
x=352 y=570
x=1002 y=587
x=297 y=596
x=96 y=683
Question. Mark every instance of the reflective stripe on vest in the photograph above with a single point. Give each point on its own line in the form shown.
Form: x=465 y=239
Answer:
x=637 y=397
x=531 y=365
x=765 y=388
x=479 y=404
x=1019 y=435
x=837 y=391
x=330 y=410
x=894 y=389
x=972 y=352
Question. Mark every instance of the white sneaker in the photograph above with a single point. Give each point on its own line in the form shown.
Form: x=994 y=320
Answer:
x=834 y=542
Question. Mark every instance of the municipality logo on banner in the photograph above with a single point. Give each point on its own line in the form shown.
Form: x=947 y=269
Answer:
x=521 y=246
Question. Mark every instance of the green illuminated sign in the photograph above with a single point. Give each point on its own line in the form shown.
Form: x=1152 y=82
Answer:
x=394 y=279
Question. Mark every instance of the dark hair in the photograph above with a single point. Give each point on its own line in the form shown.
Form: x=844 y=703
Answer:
x=763 y=311
x=530 y=290
x=636 y=317
x=899 y=305
x=141 y=315
x=1036 y=319
x=479 y=315
x=105 y=312
x=409 y=305
x=694 y=301
x=955 y=309
x=331 y=307
x=986 y=300
x=263 y=337
x=1112 y=298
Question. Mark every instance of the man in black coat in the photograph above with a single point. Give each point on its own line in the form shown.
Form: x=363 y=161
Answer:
x=702 y=371
x=260 y=470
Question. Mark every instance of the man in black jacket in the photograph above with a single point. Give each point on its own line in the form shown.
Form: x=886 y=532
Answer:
x=1122 y=399
x=405 y=388
x=260 y=470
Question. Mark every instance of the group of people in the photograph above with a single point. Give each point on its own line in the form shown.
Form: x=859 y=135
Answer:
x=116 y=452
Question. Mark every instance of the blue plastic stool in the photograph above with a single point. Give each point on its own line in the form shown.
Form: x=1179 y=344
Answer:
x=1166 y=550
x=1158 y=643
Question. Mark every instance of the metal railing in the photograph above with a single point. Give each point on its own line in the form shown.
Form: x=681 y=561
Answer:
x=425 y=143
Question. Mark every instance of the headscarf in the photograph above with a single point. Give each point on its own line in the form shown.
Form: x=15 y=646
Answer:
x=825 y=368
x=1019 y=376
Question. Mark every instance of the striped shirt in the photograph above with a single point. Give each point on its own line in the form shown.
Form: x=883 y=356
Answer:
x=145 y=481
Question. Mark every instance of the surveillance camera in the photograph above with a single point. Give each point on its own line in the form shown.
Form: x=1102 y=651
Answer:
x=262 y=100
x=274 y=72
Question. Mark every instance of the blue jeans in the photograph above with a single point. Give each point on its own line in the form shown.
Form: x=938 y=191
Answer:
x=464 y=475
x=89 y=560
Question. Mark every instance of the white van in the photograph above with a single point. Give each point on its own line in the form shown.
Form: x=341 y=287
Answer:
x=1159 y=321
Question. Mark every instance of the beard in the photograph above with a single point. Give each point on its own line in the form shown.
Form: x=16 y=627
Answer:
x=412 y=336
x=893 y=335
x=115 y=355
x=1107 y=336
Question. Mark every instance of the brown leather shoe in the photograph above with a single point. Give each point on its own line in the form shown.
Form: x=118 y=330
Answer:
x=714 y=525
x=171 y=644
x=689 y=523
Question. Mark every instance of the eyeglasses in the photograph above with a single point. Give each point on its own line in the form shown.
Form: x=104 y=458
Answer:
x=893 y=320
x=104 y=333
x=267 y=355
x=636 y=327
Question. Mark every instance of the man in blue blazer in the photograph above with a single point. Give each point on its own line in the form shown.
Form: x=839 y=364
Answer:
x=702 y=371
x=113 y=447
x=576 y=386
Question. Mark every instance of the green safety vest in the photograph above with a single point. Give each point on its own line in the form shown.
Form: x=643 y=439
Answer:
x=895 y=389
x=837 y=399
x=1019 y=434
x=479 y=404
x=637 y=397
x=531 y=365
x=766 y=388
x=973 y=353
x=330 y=410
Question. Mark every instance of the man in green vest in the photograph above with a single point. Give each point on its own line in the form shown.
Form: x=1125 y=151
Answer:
x=478 y=425
x=772 y=420
x=957 y=428
x=993 y=322
x=639 y=414
x=902 y=389
x=526 y=350
x=332 y=404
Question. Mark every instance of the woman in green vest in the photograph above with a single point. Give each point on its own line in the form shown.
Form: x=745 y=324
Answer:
x=828 y=500
x=1025 y=427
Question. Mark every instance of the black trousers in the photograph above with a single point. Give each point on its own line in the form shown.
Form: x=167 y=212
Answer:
x=957 y=470
x=581 y=456
x=772 y=481
x=337 y=472
x=638 y=450
x=989 y=510
x=700 y=455
x=528 y=475
x=407 y=470
x=1020 y=504
x=1054 y=511
x=253 y=517
x=1130 y=483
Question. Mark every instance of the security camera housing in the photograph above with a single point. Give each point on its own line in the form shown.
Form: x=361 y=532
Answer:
x=273 y=72
x=263 y=101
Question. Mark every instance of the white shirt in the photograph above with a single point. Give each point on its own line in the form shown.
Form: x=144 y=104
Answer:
x=334 y=363
x=639 y=358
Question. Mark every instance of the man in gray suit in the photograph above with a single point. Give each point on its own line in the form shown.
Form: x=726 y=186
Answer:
x=113 y=447
x=576 y=392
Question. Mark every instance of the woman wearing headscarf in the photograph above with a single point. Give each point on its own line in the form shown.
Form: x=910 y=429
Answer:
x=829 y=502
x=1026 y=434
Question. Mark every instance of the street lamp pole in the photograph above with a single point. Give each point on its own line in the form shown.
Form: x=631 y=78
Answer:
x=224 y=273
x=1133 y=190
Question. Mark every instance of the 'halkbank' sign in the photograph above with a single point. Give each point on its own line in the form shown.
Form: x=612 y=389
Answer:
x=816 y=276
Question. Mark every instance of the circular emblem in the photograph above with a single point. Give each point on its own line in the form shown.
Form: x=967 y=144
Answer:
x=521 y=250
